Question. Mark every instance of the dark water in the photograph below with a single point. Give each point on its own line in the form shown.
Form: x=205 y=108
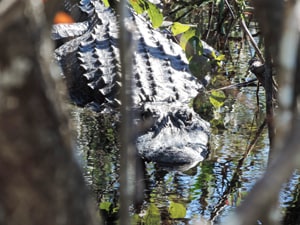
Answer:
x=207 y=192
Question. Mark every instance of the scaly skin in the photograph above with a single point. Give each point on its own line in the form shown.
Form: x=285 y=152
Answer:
x=163 y=86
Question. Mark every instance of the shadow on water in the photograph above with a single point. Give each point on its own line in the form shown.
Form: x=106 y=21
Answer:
x=207 y=192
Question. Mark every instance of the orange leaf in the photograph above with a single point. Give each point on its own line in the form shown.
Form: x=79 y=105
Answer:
x=62 y=17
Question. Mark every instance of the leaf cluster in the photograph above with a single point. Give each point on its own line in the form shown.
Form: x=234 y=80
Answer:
x=144 y=6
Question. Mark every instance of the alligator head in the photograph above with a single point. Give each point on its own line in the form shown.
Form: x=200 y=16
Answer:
x=178 y=136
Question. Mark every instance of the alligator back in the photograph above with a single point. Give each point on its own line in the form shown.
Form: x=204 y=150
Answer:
x=162 y=84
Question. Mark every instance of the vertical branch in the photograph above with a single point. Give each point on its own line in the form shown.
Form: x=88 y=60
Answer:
x=288 y=63
x=128 y=154
x=269 y=14
x=269 y=95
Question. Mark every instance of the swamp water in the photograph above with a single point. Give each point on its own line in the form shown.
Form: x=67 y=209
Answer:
x=207 y=192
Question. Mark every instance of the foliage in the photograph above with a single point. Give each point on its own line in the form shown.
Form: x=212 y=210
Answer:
x=153 y=215
x=155 y=15
x=177 y=210
x=217 y=98
x=208 y=105
x=106 y=3
x=108 y=210
x=179 y=28
x=191 y=43
x=216 y=23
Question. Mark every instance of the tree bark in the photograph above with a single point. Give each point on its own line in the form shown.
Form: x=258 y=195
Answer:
x=41 y=182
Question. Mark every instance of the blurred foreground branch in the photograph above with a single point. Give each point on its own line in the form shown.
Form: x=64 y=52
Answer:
x=41 y=182
x=128 y=162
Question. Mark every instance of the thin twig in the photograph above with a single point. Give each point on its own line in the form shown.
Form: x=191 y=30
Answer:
x=254 y=141
x=259 y=53
x=209 y=25
x=239 y=85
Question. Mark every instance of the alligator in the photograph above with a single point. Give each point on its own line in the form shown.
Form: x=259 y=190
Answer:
x=163 y=86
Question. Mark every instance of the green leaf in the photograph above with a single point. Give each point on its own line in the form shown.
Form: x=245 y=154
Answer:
x=199 y=66
x=194 y=47
x=105 y=206
x=203 y=106
x=155 y=14
x=217 y=123
x=191 y=43
x=177 y=210
x=106 y=3
x=138 y=6
x=178 y=28
x=152 y=216
x=217 y=98
x=221 y=57
x=186 y=36
x=136 y=219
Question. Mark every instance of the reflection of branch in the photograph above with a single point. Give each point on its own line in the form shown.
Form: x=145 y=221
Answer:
x=253 y=142
x=258 y=202
x=210 y=21
x=233 y=184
